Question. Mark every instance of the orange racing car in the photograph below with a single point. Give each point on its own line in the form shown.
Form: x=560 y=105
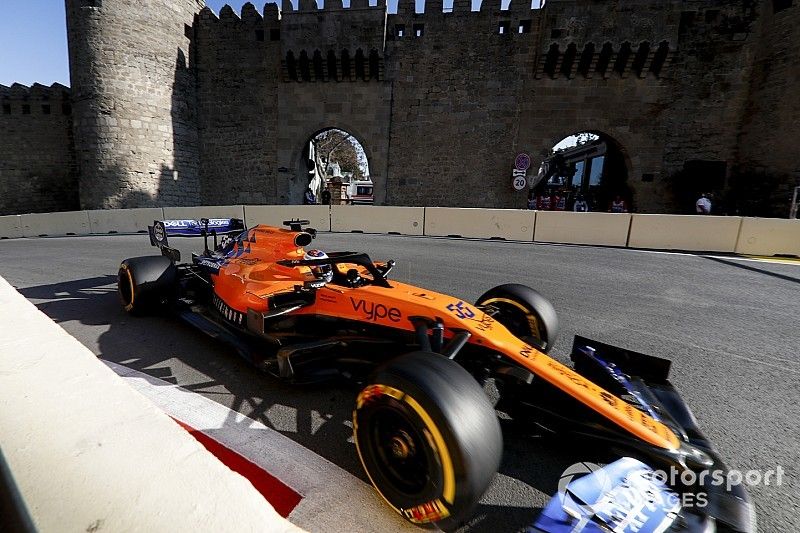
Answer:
x=426 y=433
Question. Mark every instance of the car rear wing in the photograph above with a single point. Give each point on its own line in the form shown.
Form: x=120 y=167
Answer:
x=161 y=230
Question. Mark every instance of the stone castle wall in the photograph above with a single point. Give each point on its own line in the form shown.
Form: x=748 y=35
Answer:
x=37 y=159
x=443 y=101
x=133 y=88
x=767 y=151
x=175 y=105
x=237 y=69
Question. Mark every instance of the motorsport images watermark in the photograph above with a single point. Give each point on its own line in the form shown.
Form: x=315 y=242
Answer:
x=677 y=478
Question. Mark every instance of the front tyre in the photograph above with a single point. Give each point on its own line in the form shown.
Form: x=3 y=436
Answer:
x=524 y=312
x=145 y=283
x=428 y=438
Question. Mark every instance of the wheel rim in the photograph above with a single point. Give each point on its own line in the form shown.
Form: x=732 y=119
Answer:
x=518 y=320
x=400 y=450
x=125 y=285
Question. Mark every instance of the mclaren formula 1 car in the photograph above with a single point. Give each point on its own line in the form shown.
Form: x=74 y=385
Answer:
x=425 y=431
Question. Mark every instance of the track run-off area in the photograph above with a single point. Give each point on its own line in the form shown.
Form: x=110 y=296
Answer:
x=729 y=325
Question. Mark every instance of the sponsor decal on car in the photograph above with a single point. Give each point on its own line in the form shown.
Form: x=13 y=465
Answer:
x=208 y=263
x=159 y=231
x=229 y=313
x=374 y=312
x=431 y=511
x=461 y=310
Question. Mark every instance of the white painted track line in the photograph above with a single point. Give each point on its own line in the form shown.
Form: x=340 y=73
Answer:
x=333 y=499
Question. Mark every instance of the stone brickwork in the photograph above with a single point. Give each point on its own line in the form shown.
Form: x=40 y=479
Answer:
x=133 y=87
x=768 y=149
x=174 y=105
x=238 y=69
x=37 y=163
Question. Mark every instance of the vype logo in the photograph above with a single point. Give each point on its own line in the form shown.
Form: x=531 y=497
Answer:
x=376 y=311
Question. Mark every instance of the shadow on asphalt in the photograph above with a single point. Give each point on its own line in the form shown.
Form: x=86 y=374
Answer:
x=740 y=264
x=317 y=417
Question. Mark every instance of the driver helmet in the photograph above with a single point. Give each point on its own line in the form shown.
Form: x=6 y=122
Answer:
x=323 y=272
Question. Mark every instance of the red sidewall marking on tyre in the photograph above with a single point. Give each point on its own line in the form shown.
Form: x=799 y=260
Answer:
x=281 y=497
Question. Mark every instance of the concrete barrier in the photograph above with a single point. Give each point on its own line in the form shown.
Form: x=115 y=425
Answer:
x=769 y=236
x=512 y=224
x=86 y=452
x=123 y=220
x=204 y=211
x=10 y=227
x=370 y=219
x=749 y=236
x=63 y=223
x=601 y=229
x=274 y=215
x=699 y=233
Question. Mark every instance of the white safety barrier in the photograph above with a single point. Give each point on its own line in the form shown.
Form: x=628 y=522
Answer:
x=86 y=452
x=318 y=215
x=769 y=236
x=123 y=220
x=10 y=227
x=204 y=211
x=514 y=224
x=600 y=229
x=369 y=219
x=700 y=233
x=50 y=224
x=750 y=236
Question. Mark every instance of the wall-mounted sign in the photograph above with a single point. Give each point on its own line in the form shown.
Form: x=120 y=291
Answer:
x=519 y=176
x=522 y=162
x=519 y=179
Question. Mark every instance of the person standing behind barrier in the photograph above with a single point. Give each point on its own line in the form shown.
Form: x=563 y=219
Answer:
x=309 y=198
x=618 y=205
x=703 y=205
x=560 y=201
x=326 y=197
x=532 y=200
x=544 y=202
x=581 y=205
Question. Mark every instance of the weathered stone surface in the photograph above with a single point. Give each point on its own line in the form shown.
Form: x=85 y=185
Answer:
x=37 y=158
x=176 y=109
x=133 y=87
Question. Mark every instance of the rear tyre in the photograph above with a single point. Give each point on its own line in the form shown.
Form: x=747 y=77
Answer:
x=146 y=283
x=525 y=313
x=428 y=438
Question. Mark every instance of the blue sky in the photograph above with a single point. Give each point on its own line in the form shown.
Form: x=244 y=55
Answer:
x=33 y=37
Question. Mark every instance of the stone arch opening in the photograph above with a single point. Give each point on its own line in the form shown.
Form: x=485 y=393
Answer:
x=360 y=64
x=305 y=66
x=335 y=160
x=585 y=62
x=319 y=73
x=587 y=165
x=332 y=75
x=604 y=60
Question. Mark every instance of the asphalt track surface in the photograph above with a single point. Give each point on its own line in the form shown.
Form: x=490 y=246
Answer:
x=729 y=325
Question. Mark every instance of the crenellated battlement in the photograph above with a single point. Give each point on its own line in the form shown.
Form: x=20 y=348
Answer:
x=565 y=39
x=37 y=99
x=37 y=91
x=442 y=100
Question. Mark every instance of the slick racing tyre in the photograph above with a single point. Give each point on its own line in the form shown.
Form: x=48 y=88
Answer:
x=428 y=438
x=145 y=283
x=524 y=312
